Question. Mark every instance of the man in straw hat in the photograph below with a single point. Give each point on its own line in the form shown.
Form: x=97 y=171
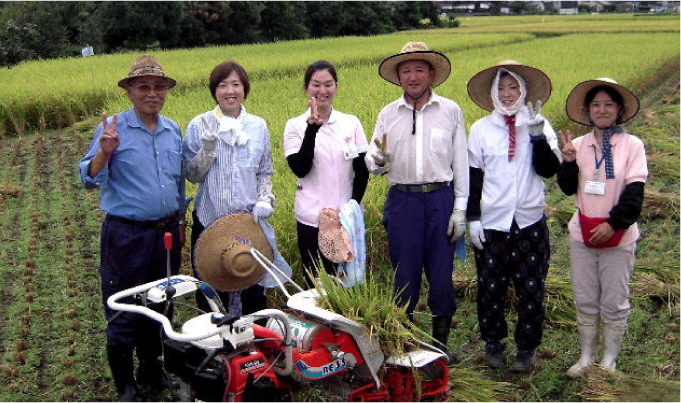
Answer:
x=607 y=170
x=135 y=159
x=420 y=142
x=509 y=151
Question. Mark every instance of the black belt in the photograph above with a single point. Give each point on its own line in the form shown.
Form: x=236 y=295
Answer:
x=162 y=223
x=421 y=187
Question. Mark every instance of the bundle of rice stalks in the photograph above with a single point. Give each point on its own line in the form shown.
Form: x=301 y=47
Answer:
x=9 y=190
x=469 y=385
x=658 y=205
x=662 y=284
x=601 y=386
x=372 y=305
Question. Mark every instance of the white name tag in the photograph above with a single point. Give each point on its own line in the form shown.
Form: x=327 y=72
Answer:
x=350 y=152
x=594 y=188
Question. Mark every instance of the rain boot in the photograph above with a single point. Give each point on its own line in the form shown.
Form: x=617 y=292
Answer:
x=588 y=343
x=122 y=368
x=494 y=354
x=441 y=326
x=524 y=361
x=613 y=335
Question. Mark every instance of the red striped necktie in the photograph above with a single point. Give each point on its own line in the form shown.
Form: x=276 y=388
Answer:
x=510 y=122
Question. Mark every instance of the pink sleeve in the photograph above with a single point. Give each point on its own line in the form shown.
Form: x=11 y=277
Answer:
x=361 y=138
x=637 y=165
x=293 y=138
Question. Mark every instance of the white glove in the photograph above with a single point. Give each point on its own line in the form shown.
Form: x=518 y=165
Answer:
x=477 y=234
x=381 y=156
x=536 y=121
x=262 y=209
x=209 y=137
x=457 y=225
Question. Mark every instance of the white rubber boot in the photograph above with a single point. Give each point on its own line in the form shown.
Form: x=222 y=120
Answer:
x=613 y=335
x=588 y=343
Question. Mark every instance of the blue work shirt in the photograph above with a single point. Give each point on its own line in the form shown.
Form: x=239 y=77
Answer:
x=143 y=179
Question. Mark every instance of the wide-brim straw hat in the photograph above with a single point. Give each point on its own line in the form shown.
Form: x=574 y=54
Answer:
x=577 y=111
x=146 y=66
x=416 y=51
x=222 y=252
x=538 y=84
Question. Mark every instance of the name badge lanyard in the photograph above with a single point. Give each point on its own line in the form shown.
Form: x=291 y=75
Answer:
x=598 y=164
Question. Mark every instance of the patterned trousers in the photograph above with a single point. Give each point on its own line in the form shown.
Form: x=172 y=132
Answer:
x=521 y=256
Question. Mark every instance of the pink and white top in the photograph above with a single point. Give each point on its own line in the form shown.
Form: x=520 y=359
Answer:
x=629 y=160
x=329 y=182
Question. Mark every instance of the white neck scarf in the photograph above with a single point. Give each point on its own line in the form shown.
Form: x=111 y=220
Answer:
x=498 y=105
x=231 y=129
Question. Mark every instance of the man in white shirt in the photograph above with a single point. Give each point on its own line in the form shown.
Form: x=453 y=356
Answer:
x=420 y=143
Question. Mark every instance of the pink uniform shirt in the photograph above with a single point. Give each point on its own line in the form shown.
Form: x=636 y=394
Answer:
x=629 y=160
x=329 y=182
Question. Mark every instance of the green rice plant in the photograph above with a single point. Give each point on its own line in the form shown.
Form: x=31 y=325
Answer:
x=372 y=305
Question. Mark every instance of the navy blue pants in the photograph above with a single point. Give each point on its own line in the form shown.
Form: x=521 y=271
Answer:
x=416 y=224
x=521 y=256
x=253 y=298
x=132 y=255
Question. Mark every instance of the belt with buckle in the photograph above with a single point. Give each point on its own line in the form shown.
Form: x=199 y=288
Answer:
x=162 y=223
x=421 y=187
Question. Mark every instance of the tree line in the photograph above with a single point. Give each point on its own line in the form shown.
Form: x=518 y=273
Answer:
x=42 y=30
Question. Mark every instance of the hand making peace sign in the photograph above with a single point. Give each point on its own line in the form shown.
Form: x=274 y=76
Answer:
x=314 y=113
x=569 y=151
x=109 y=141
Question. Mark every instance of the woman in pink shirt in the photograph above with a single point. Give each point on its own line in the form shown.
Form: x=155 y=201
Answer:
x=325 y=149
x=607 y=170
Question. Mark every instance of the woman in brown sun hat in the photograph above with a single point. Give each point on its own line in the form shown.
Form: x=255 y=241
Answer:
x=509 y=151
x=607 y=170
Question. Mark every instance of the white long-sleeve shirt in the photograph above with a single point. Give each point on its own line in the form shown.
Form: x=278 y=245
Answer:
x=435 y=153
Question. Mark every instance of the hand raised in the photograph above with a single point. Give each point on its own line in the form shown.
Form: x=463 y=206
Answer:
x=536 y=121
x=380 y=157
x=569 y=151
x=109 y=140
x=209 y=136
x=314 y=113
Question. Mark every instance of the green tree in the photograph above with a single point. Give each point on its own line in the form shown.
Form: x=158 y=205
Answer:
x=17 y=43
x=140 y=25
x=283 y=20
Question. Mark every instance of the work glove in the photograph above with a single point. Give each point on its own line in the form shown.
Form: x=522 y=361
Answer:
x=262 y=209
x=477 y=234
x=381 y=155
x=536 y=121
x=209 y=137
x=457 y=225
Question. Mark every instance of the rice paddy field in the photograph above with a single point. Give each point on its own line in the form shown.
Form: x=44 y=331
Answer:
x=51 y=321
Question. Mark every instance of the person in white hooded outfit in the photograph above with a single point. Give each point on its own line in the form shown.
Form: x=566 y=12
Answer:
x=509 y=151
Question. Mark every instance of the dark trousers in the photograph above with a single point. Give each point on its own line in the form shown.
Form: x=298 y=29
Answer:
x=253 y=298
x=132 y=255
x=521 y=256
x=416 y=224
x=310 y=256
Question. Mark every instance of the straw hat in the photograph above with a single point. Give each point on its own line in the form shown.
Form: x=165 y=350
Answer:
x=146 y=66
x=537 y=82
x=575 y=101
x=222 y=252
x=416 y=51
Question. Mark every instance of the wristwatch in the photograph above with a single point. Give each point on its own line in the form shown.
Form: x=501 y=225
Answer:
x=182 y=222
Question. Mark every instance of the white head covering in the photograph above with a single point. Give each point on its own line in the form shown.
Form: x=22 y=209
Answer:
x=498 y=105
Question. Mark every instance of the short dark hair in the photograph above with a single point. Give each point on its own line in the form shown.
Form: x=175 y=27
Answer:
x=614 y=94
x=317 y=66
x=222 y=71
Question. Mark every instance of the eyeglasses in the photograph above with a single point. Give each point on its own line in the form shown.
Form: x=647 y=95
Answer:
x=145 y=89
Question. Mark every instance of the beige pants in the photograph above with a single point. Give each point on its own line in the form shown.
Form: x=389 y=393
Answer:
x=600 y=279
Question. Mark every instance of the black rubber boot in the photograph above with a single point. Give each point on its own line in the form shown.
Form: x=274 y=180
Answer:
x=441 y=327
x=122 y=369
x=150 y=372
x=524 y=361
x=494 y=354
